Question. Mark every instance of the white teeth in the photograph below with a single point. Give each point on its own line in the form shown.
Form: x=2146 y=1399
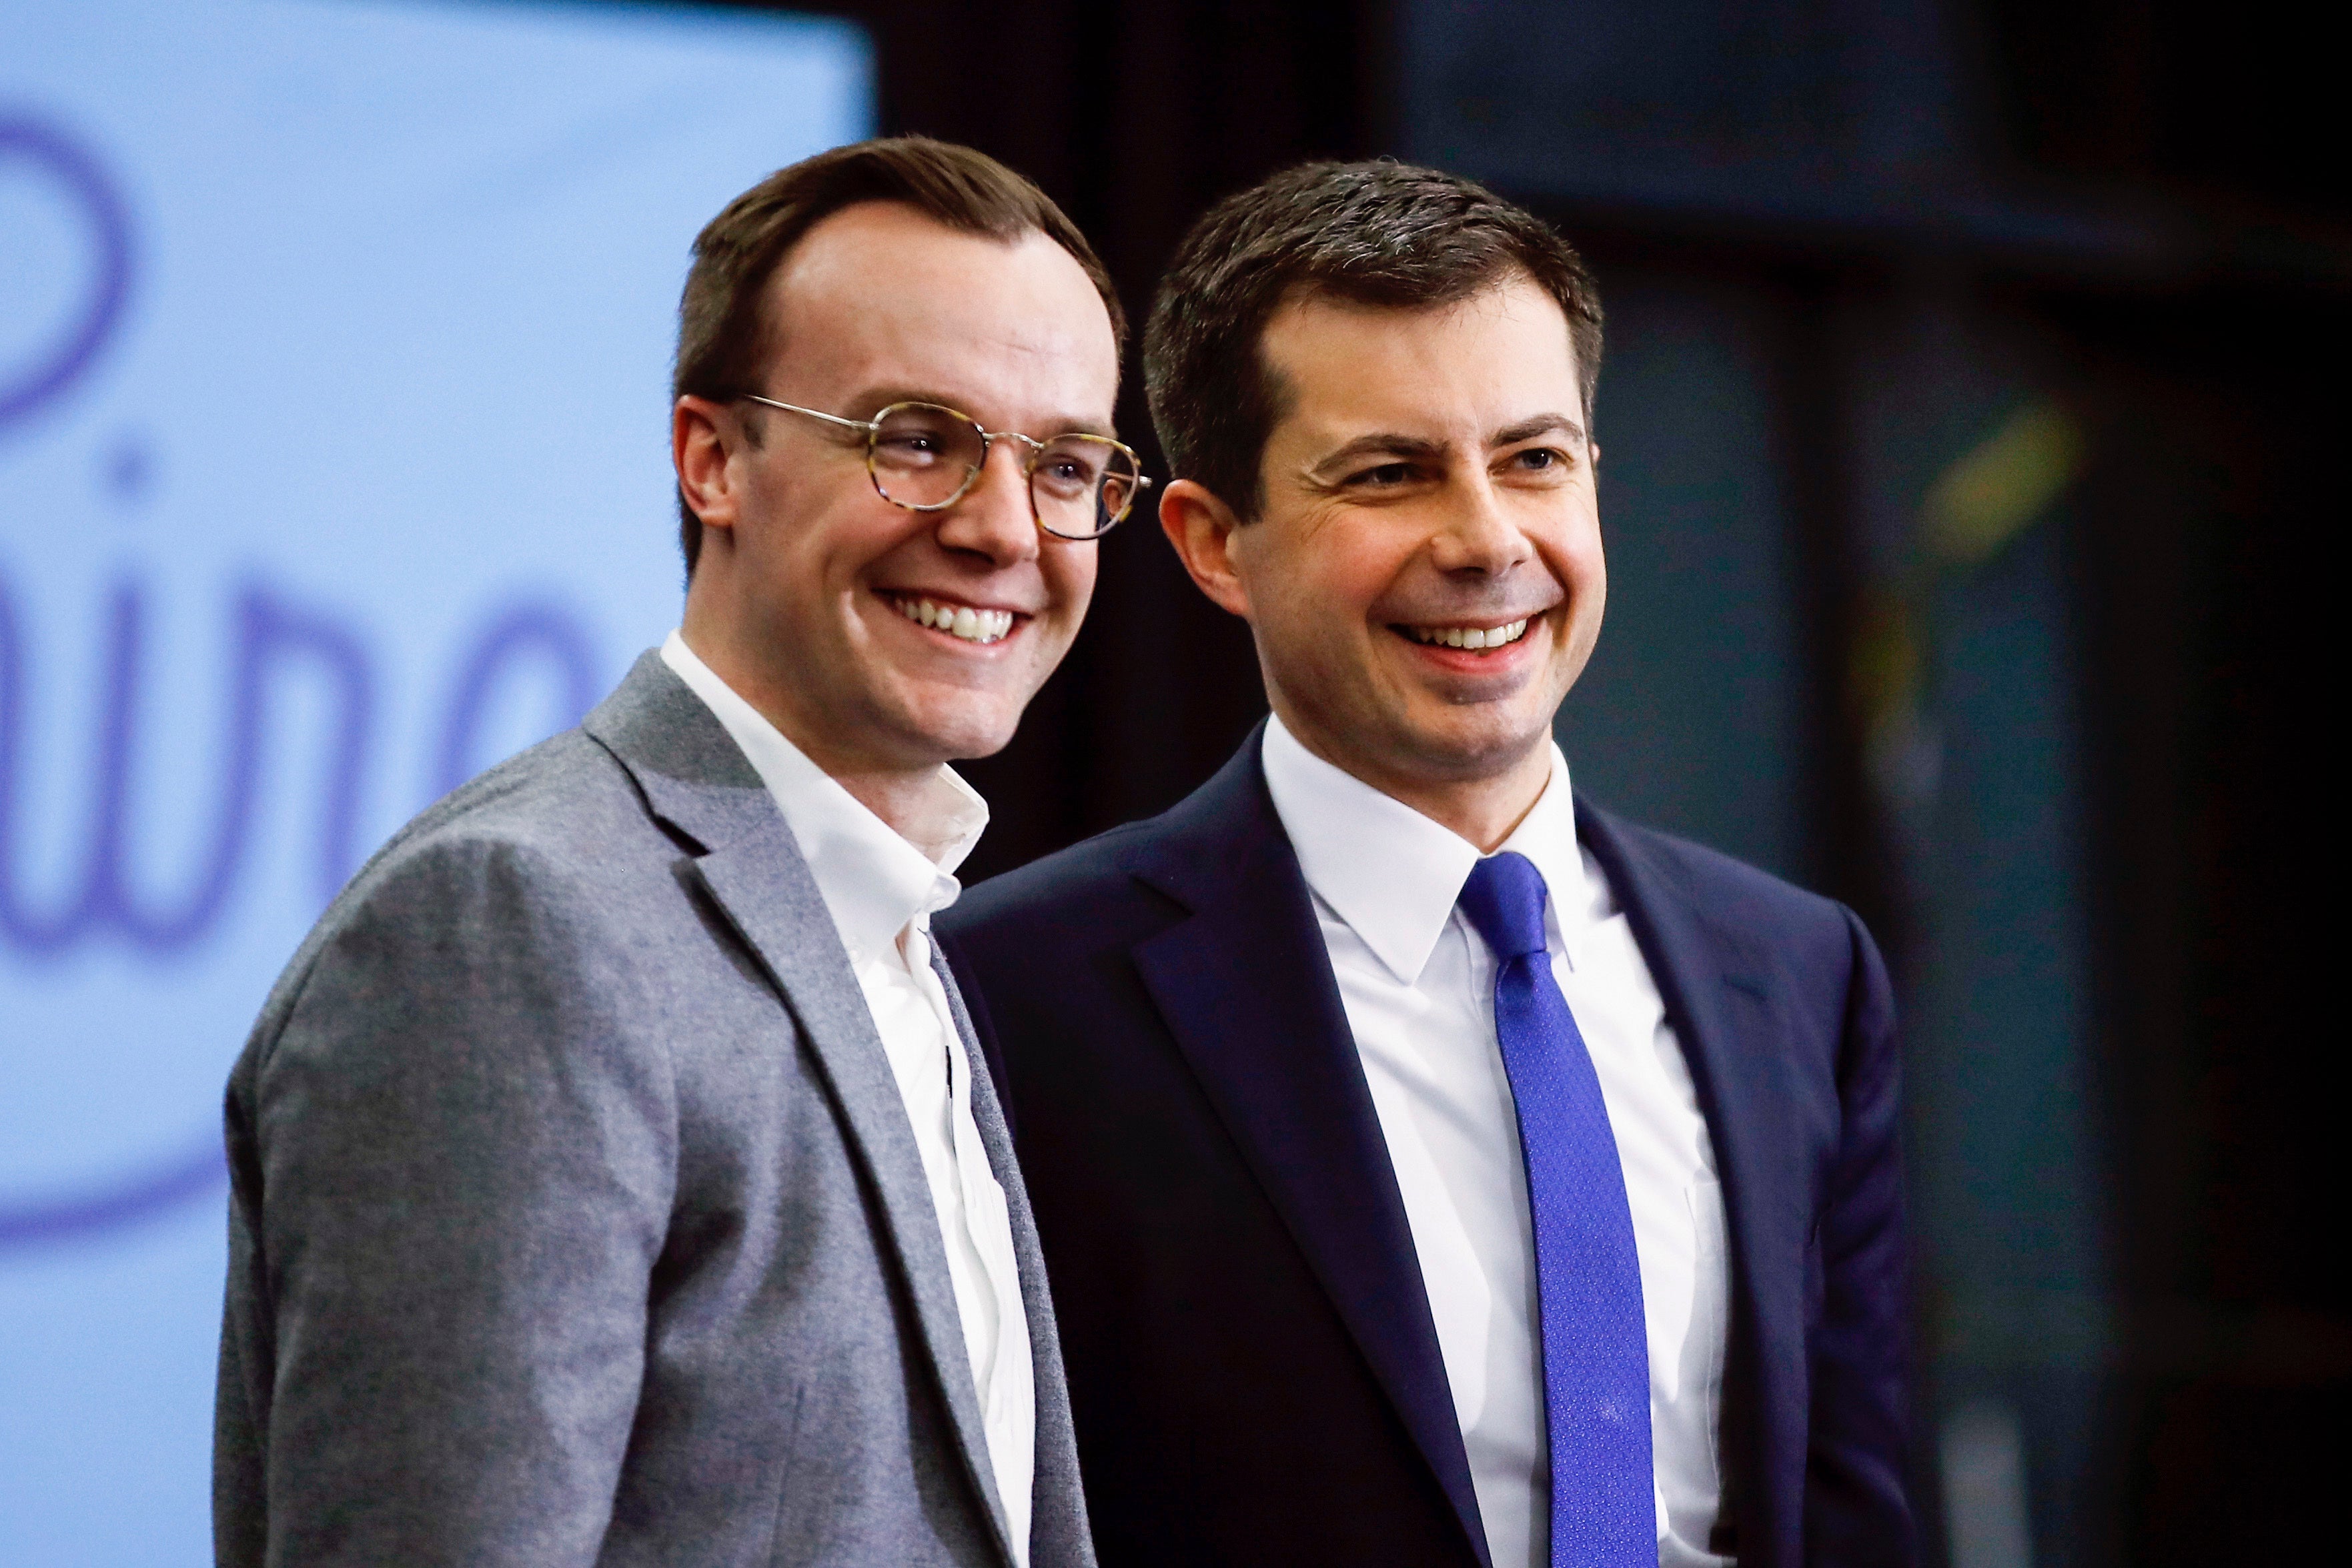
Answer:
x=1471 y=636
x=958 y=619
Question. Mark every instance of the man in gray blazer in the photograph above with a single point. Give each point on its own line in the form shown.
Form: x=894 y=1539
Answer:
x=615 y=1181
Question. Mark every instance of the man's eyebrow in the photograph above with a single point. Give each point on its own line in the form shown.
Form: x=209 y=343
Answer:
x=1396 y=444
x=874 y=400
x=1380 y=443
x=1538 y=425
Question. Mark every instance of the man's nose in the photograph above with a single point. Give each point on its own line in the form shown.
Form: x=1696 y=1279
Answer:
x=1477 y=534
x=996 y=517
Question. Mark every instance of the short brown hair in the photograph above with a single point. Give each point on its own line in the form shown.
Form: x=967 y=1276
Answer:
x=1381 y=234
x=720 y=333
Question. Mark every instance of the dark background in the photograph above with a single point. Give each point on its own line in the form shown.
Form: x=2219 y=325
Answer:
x=1972 y=415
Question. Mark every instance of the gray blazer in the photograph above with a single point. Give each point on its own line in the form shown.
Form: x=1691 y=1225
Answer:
x=576 y=1216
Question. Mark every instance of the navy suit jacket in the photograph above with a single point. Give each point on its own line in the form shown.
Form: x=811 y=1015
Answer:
x=1254 y=1371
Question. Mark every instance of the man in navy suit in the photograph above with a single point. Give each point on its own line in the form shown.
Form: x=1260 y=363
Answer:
x=1431 y=1167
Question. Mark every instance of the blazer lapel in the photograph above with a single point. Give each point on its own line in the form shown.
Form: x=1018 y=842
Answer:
x=696 y=779
x=1720 y=996
x=1058 y=1508
x=1247 y=989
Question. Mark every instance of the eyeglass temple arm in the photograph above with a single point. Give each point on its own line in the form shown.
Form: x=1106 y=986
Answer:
x=867 y=425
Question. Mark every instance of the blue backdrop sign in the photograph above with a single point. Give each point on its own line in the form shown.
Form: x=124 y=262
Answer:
x=333 y=467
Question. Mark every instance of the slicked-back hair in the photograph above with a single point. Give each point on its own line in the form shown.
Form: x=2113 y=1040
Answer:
x=722 y=332
x=1385 y=234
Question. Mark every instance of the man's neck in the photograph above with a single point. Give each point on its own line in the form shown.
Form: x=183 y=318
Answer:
x=897 y=794
x=1485 y=809
x=897 y=797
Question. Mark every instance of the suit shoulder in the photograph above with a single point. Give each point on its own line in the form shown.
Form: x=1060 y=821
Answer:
x=1077 y=887
x=565 y=802
x=534 y=841
x=1814 y=950
x=1731 y=893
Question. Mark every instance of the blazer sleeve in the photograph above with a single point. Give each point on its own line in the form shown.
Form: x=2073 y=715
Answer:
x=459 y=1167
x=1855 y=1512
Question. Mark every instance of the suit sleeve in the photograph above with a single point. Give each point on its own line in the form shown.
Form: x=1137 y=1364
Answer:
x=463 y=1166
x=1857 y=1515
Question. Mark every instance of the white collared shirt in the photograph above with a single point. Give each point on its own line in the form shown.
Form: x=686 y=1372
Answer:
x=1418 y=986
x=882 y=889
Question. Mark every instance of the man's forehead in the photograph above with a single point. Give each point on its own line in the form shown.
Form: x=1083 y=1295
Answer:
x=974 y=321
x=866 y=238
x=1497 y=355
x=882 y=259
x=1003 y=382
x=1511 y=302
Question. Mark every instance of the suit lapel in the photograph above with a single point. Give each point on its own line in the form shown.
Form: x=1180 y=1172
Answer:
x=697 y=780
x=1721 y=997
x=1057 y=1512
x=1245 y=986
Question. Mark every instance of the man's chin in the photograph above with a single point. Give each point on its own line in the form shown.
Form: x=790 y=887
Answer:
x=947 y=731
x=1457 y=746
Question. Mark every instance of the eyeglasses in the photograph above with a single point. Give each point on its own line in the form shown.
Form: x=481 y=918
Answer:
x=926 y=458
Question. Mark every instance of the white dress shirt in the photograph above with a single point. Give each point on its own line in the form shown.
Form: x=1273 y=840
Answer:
x=881 y=889
x=1418 y=983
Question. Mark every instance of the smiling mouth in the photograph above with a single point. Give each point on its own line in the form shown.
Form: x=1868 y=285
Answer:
x=962 y=622
x=1469 y=637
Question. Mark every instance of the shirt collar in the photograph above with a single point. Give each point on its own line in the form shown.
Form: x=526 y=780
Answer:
x=1547 y=835
x=875 y=879
x=1399 y=899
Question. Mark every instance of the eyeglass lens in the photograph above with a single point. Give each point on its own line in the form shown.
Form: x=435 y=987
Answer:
x=925 y=456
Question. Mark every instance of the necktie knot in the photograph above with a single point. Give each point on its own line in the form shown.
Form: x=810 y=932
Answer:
x=1504 y=901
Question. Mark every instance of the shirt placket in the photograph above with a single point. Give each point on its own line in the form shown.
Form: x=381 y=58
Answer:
x=986 y=1225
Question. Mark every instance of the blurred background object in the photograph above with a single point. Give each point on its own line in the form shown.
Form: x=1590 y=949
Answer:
x=335 y=341
x=1975 y=370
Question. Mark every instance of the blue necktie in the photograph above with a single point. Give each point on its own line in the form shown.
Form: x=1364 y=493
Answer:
x=1596 y=1348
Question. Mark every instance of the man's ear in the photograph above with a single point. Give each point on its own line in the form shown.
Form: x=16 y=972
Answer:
x=1202 y=528
x=700 y=432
